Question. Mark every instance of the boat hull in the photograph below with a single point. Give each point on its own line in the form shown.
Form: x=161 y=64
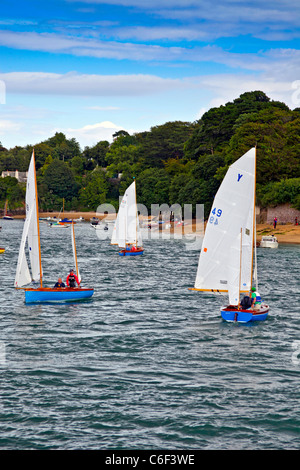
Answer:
x=268 y=245
x=47 y=294
x=233 y=314
x=137 y=252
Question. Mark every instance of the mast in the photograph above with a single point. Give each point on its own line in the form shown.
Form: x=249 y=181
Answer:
x=254 y=224
x=37 y=220
x=75 y=253
x=240 y=274
x=136 y=214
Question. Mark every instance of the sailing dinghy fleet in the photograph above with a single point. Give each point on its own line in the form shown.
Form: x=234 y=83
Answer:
x=227 y=262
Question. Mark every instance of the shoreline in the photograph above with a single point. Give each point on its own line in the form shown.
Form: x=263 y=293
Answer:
x=286 y=234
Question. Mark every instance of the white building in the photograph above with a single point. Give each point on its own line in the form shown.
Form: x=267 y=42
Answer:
x=20 y=175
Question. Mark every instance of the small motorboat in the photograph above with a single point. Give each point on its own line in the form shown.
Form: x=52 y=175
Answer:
x=268 y=241
x=94 y=221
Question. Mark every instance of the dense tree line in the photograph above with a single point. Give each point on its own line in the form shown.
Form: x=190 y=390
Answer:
x=177 y=162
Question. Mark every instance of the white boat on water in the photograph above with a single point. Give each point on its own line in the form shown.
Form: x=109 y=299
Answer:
x=268 y=241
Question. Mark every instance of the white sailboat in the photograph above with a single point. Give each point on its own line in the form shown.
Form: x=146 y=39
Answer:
x=31 y=239
x=228 y=248
x=126 y=232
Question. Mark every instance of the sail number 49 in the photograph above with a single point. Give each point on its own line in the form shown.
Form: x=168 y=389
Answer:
x=215 y=215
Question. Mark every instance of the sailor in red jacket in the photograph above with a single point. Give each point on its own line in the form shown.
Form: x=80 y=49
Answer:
x=71 y=279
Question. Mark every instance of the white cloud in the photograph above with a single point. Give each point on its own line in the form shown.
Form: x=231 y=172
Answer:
x=87 y=85
x=90 y=134
x=223 y=17
x=7 y=126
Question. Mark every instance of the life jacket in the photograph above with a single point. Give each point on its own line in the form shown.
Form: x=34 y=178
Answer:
x=72 y=280
x=258 y=298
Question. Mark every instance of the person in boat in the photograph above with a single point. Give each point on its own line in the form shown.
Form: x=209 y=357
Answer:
x=72 y=279
x=246 y=302
x=256 y=299
x=59 y=283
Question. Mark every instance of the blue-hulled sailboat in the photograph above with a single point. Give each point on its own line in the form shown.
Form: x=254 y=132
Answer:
x=31 y=238
x=227 y=262
x=126 y=233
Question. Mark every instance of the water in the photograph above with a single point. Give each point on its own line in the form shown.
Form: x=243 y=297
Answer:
x=146 y=364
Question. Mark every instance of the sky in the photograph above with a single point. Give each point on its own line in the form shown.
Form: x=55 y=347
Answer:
x=89 y=68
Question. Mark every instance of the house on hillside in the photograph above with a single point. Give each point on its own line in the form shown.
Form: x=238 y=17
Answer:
x=21 y=176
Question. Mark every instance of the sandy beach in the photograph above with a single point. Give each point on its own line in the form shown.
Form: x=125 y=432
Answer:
x=287 y=233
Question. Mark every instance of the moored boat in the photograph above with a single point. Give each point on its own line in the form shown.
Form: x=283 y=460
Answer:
x=268 y=241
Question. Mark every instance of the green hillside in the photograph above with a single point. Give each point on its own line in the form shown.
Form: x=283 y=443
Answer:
x=177 y=162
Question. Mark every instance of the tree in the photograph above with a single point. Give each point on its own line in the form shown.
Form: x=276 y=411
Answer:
x=97 y=153
x=62 y=148
x=164 y=142
x=217 y=126
x=94 y=191
x=153 y=187
x=60 y=181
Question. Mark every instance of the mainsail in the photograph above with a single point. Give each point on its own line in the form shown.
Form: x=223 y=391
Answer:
x=75 y=253
x=226 y=258
x=126 y=229
x=30 y=235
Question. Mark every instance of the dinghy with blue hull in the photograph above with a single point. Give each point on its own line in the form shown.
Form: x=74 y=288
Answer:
x=136 y=252
x=48 y=294
x=227 y=262
x=126 y=233
x=233 y=314
x=31 y=237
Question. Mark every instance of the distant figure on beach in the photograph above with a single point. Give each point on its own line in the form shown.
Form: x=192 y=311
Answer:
x=59 y=283
x=296 y=221
x=275 y=222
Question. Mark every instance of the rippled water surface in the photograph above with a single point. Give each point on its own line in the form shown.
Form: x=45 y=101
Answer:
x=147 y=364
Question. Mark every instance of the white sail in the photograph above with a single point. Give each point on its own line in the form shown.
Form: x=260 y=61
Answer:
x=126 y=229
x=23 y=275
x=223 y=255
x=234 y=276
x=75 y=253
x=30 y=234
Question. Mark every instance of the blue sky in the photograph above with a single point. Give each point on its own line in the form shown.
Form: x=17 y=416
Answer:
x=89 y=68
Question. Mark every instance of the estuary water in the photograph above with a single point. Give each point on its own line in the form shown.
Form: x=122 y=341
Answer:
x=146 y=364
